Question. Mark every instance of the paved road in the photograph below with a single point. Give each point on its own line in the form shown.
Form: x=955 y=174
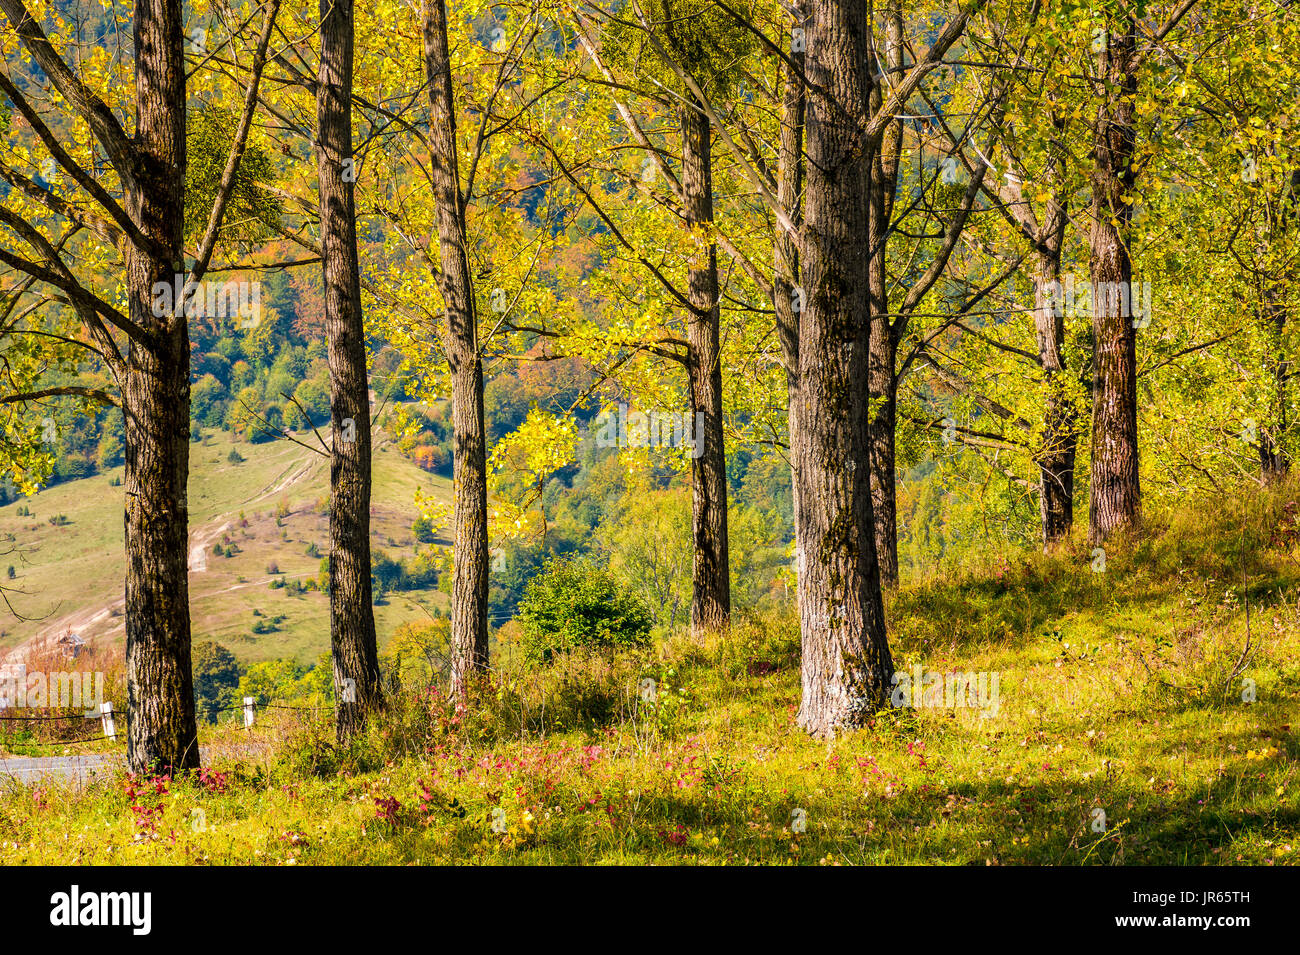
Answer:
x=81 y=769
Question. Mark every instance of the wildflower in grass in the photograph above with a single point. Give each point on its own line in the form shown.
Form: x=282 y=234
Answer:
x=294 y=838
x=678 y=837
x=213 y=781
x=387 y=809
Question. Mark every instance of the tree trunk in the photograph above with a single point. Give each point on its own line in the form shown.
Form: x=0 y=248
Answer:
x=352 y=619
x=884 y=461
x=788 y=305
x=469 y=594
x=161 y=730
x=1274 y=461
x=711 y=575
x=1114 y=496
x=1274 y=454
x=882 y=379
x=1056 y=454
x=846 y=665
x=883 y=386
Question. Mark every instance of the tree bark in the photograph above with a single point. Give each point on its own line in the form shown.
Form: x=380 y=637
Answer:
x=1058 y=447
x=352 y=620
x=153 y=376
x=1274 y=455
x=162 y=734
x=469 y=596
x=785 y=301
x=1056 y=453
x=882 y=378
x=884 y=460
x=846 y=664
x=1274 y=461
x=883 y=386
x=711 y=575
x=1114 y=495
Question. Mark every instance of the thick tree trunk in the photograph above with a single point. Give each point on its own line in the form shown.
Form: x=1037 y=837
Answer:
x=846 y=664
x=1114 y=496
x=352 y=619
x=469 y=595
x=1056 y=454
x=161 y=730
x=711 y=575
x=785 y=301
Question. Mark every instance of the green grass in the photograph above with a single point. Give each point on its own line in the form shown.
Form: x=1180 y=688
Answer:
x=72 y=575
x=1140 y=717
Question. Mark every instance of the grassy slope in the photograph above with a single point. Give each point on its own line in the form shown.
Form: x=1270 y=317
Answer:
x=73 y=573
x=1140 y=716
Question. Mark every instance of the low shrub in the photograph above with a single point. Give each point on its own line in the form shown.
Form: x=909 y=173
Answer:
x=573 y=604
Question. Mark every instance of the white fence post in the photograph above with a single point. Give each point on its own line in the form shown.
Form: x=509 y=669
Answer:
x=106 y=715
x=249 y=711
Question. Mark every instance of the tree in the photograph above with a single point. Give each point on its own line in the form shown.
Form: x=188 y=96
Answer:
x=140 y=234
x=1115 y=496
x=891 y=321
x=352 y=617
x=216 y=672
x=673 y=58
x=846 y=663
x=1239 y=205
x=786 y=302
x=573 y=604
x=1043 y=227
x=649 y=545
x=1033 y=197
x=1114 y=501
x=693 y=43
x=469 y=637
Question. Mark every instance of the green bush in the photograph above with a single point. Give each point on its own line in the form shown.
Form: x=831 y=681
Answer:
x=572 y=604
x=423 y=530
x=216 y=673
x=288 y=682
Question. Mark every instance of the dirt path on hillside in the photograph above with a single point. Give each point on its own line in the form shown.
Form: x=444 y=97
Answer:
x=83 y=621
x=294 y=477
x=202 y=539
x=89 y=622
x=86 y=619
x=74 y=622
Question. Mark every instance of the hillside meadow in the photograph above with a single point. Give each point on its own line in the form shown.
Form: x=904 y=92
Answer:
x=1143 y=715
x=268 y=507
